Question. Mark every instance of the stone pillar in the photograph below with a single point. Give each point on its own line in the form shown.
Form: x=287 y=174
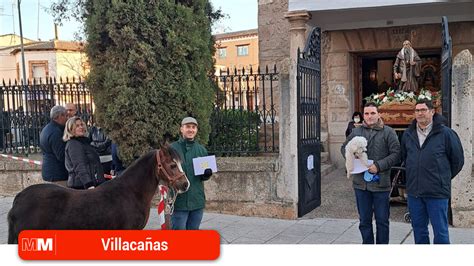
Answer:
x=462 y=194
x=339 y=94
x=287 y=186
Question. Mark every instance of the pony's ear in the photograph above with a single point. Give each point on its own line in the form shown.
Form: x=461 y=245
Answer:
x=167 y=137
x=165 y=147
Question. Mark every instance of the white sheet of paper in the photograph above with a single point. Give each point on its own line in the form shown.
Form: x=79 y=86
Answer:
x=202 y=163
x=310 y=162
x=359 y=167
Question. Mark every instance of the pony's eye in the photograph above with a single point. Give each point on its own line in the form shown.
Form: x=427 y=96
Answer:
x=179 y=165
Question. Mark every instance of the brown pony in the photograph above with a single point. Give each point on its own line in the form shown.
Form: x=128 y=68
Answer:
x=121 y=203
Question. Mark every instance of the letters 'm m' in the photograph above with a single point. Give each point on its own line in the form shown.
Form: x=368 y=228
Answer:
x=37 y=244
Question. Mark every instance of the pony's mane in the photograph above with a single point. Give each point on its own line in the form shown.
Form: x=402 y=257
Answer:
x=151 y=156
x=144 y=158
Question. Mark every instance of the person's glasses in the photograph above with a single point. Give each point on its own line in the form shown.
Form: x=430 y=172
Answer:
x=422 y=111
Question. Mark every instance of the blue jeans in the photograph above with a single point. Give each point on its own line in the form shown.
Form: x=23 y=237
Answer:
x=368 y=204
x=424 y=210
x=186 y=220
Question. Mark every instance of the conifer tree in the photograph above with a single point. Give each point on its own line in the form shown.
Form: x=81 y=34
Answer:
x=150 y=61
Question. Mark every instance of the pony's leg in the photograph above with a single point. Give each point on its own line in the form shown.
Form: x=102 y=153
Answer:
x=12 y=235
x=167 y=221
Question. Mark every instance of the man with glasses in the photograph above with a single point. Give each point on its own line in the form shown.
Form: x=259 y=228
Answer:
x=433 y=155
x=373 y=194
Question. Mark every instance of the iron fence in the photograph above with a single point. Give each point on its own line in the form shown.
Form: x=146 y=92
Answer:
x=25 y=110
x=244 y=120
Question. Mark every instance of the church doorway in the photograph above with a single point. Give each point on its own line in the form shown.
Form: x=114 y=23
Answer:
x=373 y=73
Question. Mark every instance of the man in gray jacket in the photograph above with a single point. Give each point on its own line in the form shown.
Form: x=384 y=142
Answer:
x=373 y=196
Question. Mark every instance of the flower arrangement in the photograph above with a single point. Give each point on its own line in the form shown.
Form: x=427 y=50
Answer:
x=402 y=96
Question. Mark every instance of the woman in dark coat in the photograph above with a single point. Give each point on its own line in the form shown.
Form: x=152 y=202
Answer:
x=82 y=160
x=356 y=121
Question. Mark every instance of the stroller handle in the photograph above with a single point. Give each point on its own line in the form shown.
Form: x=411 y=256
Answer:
x=398 y=168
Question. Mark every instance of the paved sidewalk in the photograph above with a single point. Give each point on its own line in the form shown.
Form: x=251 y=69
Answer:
x=252 y=230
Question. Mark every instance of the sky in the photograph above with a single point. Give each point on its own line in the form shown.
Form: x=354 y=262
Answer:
x=240 y=15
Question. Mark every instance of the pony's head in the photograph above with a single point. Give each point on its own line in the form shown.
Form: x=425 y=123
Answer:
x=170 y=170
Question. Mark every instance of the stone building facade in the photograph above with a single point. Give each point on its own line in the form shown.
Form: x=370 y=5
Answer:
x=341 y=93
x=354 y=33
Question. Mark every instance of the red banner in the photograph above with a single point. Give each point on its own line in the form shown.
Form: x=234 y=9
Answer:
x=118 y=245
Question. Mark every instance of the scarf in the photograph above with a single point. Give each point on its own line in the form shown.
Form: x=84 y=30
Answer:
x=378 y=125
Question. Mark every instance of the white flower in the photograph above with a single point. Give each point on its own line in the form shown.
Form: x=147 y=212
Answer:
x=402 y=98
x=421 y=97
x=385 y=99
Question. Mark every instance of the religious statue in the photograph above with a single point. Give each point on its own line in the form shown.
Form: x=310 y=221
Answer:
x=407 y=68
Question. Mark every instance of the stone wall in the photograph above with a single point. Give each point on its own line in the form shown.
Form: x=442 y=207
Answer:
x=274 y=45
x=248 y=186
x=15 y=176
x=273 y=31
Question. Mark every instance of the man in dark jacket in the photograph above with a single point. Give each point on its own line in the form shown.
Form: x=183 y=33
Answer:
x=373 y=196
x=189 y=206
x=52 y=146
x=433 y=155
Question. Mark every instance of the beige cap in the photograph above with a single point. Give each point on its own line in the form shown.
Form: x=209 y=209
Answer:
x=189 y=120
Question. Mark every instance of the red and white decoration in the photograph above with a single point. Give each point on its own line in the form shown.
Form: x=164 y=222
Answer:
x=162 y=206
x=21 y=159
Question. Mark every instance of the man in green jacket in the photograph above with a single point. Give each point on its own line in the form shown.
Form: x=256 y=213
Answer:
x=189 y=206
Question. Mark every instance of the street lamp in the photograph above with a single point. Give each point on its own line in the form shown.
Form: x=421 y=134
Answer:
x=21 y=43
x=24 y=83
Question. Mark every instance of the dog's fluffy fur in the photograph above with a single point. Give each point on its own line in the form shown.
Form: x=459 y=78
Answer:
x=356 y=149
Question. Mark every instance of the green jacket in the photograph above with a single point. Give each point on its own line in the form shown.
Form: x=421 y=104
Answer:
x=194 y=198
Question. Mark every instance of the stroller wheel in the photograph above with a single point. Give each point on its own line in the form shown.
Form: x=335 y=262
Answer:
x=407 y=217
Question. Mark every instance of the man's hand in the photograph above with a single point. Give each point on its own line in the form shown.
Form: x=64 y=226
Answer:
x=208 y=172
x=373 y=169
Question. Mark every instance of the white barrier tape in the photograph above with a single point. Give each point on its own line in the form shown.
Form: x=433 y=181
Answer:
x=21 y=159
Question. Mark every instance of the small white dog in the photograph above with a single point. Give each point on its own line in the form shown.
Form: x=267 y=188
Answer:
x=356 y=149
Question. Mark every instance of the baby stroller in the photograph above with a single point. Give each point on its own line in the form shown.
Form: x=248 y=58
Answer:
x=399 y=182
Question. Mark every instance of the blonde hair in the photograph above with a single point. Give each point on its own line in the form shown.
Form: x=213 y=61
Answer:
x=70 y=126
